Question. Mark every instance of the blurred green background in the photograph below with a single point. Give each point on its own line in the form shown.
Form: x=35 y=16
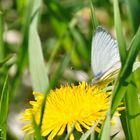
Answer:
x=49 y=41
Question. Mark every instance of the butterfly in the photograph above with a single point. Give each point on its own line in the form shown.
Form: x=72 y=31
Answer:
x=105 y=59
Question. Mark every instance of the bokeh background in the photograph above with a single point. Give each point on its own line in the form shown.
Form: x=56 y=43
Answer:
x=60 y=39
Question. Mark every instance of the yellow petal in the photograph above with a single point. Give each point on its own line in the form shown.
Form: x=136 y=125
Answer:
x=97 y=129
x=120 y=108
x=78 y=127
x=30 y=132
x=27 y=127
x=54 y=133
x=71 y=137
x=61 y=130
x=84 y=125
x=69 y=126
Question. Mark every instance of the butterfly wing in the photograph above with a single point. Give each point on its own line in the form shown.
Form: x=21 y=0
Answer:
x=105 y=59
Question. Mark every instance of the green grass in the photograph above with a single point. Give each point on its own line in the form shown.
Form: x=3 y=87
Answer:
x=55 y=41
x=4 y=102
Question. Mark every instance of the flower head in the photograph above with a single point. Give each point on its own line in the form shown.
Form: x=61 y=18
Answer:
x=82 y=104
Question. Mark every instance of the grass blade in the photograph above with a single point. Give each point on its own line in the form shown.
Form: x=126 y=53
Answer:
x=86 y=135
x=23 y=52
x=37 y=129
x=134 y=10
x=71 y=49
x=105 y=132
x=137 y=78
x=122 y=82
x=70 y=132
x=81 y=44
x=37 y=67
x=132 y=111
x=90 y=131
x=54 y=51
x=4 y=109
x=5 y=60
x=1 y=36
x=58 y=73
x=93 y=16
x=119 y=32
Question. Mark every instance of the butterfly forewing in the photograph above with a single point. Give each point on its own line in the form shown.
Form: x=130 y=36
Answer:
x=104 y=53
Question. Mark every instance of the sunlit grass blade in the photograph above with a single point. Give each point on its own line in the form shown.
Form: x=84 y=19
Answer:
x=105 y=131
x=119 y=32
x=132 y=111
x=59 y=71
x=122 y=83
x=87 y=134
x=4 y=102
x=37 y=67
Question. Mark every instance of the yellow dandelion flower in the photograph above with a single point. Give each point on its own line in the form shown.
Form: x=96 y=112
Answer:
x=82 y=104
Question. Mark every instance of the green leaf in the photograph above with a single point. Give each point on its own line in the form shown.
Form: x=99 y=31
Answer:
x=37 y=67
x=119 y=32
x=4 y=109
x=124 y=77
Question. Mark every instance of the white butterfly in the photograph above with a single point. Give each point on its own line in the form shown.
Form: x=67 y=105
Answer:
x=105 y=59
